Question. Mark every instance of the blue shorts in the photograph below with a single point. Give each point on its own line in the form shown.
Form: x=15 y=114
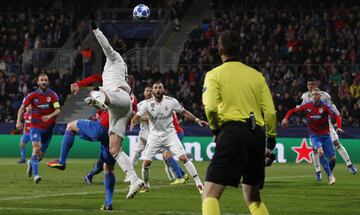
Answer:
x=105 y=155
x=25 y=138
x=93 y=131
x=41 y=135
x=325 y=142
x=181 y=136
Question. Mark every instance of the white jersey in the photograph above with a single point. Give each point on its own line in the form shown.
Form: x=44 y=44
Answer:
x=325 y=97
x=115 y=70
x=161 y=115
x=144 y=125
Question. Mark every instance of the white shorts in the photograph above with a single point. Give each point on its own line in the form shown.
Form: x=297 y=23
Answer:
x=155 y=143
x=120 y=111
x=333 y=134
x=141 y=141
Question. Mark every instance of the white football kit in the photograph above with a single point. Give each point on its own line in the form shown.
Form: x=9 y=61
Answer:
x=143 y=133
x=325 y=97
x=115 y=85
x=162 y=132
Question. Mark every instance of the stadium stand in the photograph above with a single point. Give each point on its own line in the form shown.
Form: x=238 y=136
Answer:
x=288 y=43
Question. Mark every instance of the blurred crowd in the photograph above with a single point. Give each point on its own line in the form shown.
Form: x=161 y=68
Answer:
x=288 y=46
x=26 y=28
x=288 y=42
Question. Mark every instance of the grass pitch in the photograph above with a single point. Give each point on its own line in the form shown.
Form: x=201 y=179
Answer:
x=289 y=189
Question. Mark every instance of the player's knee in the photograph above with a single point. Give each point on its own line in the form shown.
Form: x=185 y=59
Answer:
x=147 y=163
x=108 y=168
x=336 y=143
x=166 y=155
x=71 y=126
x=183 y=158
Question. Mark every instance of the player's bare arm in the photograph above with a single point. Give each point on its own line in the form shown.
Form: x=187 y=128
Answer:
x=20 y=114
x=74 y=88
x=134 y=121
x=191 y=116
x=49 y=116
x=284 y=122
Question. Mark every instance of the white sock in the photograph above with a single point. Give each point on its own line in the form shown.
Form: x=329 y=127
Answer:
x=124 y=162
x=343 y=153
x=169 y=172
x=135 y=158
x=145 y=174
x=316 y=162
x=192 y=171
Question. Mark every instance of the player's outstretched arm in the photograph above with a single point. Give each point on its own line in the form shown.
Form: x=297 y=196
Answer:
x=109 y=52
x=191 y=116
x=95 y=78
x=134 y=121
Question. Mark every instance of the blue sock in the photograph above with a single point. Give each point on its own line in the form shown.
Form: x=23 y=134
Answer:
x=35 y=164
x=22 y=153
x=175 y=167
x=109 y=183
x=67 y=143
x=332 y=164
x=325 y=163
x=98 y=167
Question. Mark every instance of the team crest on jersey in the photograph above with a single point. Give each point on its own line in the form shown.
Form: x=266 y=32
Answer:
x=308 y=110
x=166 y=108
x=152 y=105
x=36 y=100
x=48 y=99
x=321 y=110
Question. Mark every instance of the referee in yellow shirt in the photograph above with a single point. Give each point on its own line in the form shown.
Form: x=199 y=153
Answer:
x=238 y=105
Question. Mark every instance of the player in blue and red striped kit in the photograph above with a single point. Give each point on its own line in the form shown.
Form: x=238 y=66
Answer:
x=25 y=137
x=317 y=114
x=45 y=108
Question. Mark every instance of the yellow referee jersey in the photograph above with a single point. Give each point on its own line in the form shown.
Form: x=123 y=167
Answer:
x=233 y=90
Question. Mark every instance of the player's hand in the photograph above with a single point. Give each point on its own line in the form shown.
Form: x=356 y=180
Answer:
x=19 y=125
x=74 y=88
x=269 y=157
x=284 y=123
x=339 y=130
x=201 y=122
x=92 y=20
x=45 y=118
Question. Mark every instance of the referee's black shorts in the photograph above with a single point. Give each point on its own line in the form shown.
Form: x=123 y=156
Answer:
x=239 y=152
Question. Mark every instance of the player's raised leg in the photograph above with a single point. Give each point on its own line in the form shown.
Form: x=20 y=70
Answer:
x=66 y=145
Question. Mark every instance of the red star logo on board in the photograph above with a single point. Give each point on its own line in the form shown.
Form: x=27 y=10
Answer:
x=303 y=152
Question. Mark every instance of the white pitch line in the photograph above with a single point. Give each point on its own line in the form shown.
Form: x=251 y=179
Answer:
x=92 y=210
x=124 y=190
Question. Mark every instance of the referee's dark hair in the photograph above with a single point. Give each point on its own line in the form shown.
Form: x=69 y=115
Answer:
x=229 y=42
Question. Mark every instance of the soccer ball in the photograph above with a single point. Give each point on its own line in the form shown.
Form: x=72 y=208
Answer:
x=141 y=11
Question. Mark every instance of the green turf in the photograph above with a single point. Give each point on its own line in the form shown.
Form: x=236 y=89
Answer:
x=289 y=189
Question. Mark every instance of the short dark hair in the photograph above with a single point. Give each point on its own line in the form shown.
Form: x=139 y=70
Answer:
x=229 y=41
x=157 y=82
x=312 y=79
x=41 y=74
